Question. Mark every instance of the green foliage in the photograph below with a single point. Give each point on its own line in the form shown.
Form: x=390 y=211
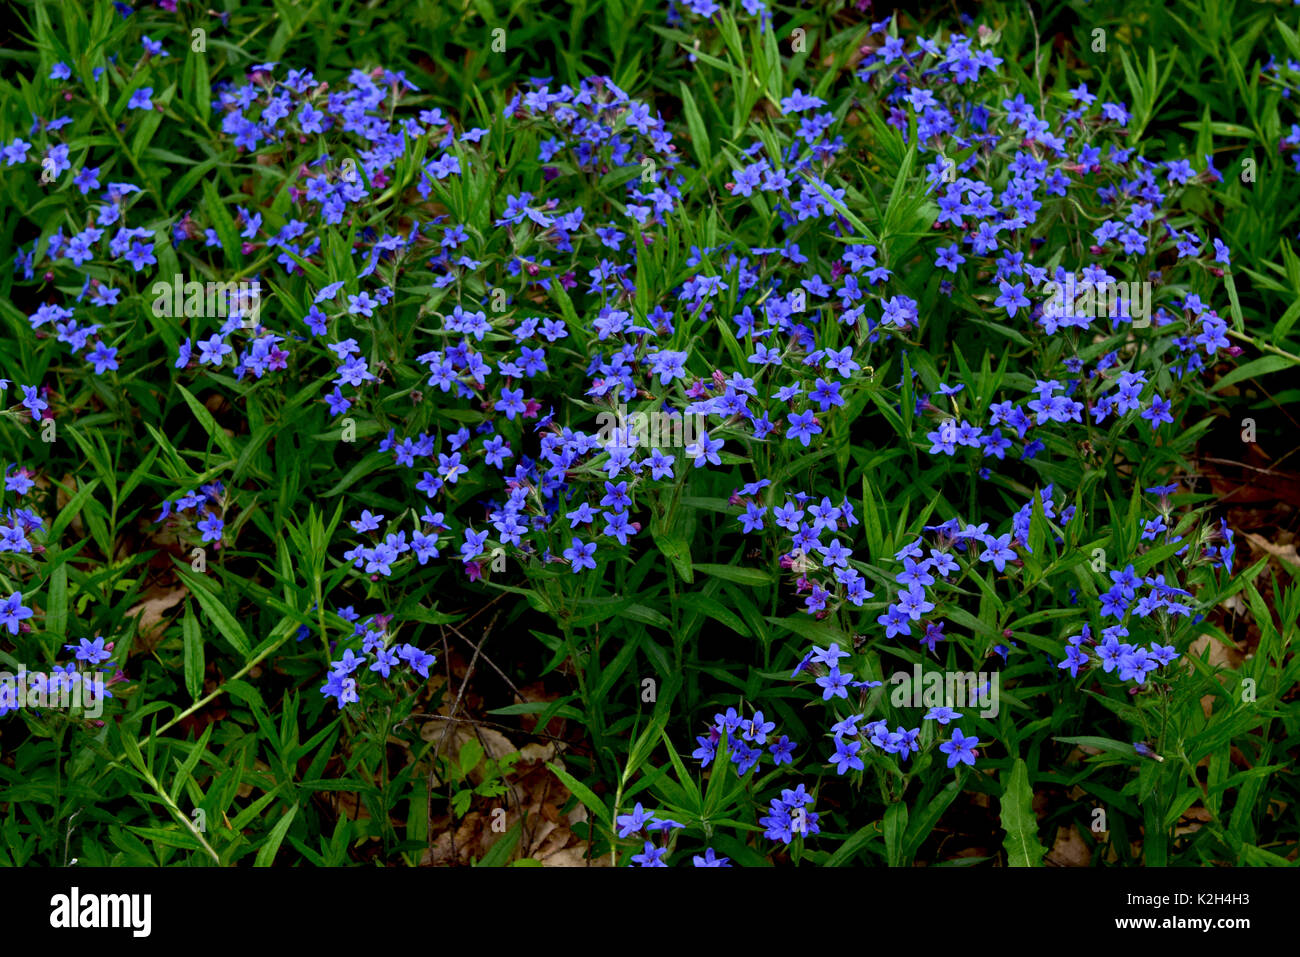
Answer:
x=218 y=748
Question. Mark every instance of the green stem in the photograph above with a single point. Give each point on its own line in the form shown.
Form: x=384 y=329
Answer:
x=1265 y=346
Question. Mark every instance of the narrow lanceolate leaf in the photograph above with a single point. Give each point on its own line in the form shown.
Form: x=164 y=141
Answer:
x=266 y=854
x=223 y=441
x=695 y=124
x=1022 y=844
x=499 y=854
x=56 y=617
x=218 y=614
x=678 y=552
x=194 y=662
x=584 y=794
x=895 y=826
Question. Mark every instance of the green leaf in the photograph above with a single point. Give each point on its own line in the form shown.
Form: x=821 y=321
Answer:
x=1101 y=744
x=711 y=607
x=684 y=776
x=224 y=442
x=645 y=743
x=537 y=707
x=1257 y=367
x=924 y=821
x=1022 y=844
x=695 y=125
x=845 y=851
x=498 y=855
x=471 y=753
x=225 y=622
x=221 y=221
x=893 y=207
x=616 y=668
x=735 y=573
x=72 y=509
x=677 y=550
x=266 y=854
x=584 y=794
x=895 y=828
x=194 y=664
x=56 y=612
x=1234 y=303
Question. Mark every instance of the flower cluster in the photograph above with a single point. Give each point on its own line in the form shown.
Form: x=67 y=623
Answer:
x=35 y=400
x=1160 y=605
x=18 y=523
x=742 y=740
x=788 y=816
x=745 y=739
x=58 y=685
x=849 y=737
x=640 y=820
x=207 y=503
x=378 y=652
x=458 y=303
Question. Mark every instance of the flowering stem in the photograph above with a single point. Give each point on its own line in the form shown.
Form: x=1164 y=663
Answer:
x=1265 y=346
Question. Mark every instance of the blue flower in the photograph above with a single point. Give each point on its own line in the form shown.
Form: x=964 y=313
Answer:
x=960 y=748
x=580 y=555
x=650 y=856
x=710 y=859
x=629 y=824
x=846 y=757
x=91 y=652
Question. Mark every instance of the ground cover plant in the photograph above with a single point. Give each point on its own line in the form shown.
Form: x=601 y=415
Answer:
x=773 y=435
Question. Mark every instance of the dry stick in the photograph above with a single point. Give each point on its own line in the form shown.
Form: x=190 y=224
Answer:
x=510 y=791
x=490 y=662
x=548 y=779
x=492 y=724
x=1253 y=468
x=1227 y=495
x=464 y=685
x=483 y=608
x=502 y=727
x=1038 y=79
x=546 y=792
x=67 y=841
x=460 y=696
x=510 y=787
x=433 y=765
x=1243 y=465
x=1255 y=381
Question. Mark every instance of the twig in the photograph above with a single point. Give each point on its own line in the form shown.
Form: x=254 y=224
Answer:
x=67 y=839
x=464 y=685
x=1038 y=79
x=460 y=696
x=492 y=664
x=1253 y=468
x=500 y=727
